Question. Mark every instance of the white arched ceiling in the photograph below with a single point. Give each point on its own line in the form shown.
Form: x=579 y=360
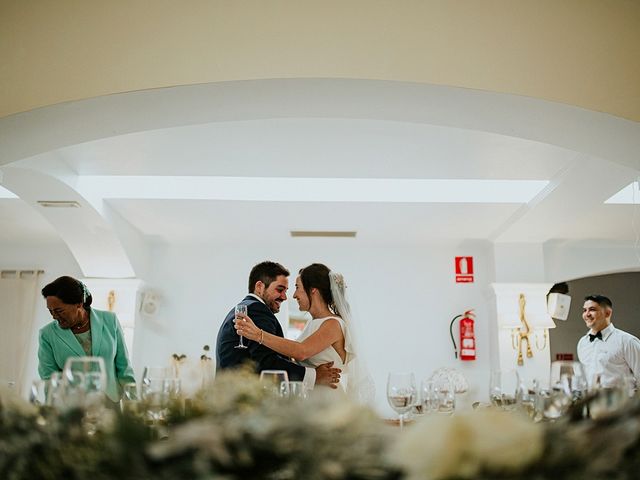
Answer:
x=534 y=138
x=591 y=133
x=91 y=239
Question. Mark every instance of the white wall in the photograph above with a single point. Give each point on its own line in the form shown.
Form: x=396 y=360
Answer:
x=404 y=299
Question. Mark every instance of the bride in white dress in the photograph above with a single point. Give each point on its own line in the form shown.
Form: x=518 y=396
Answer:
x=327 y=337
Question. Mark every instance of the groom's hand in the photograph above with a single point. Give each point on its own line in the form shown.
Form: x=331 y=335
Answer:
x=327 y=375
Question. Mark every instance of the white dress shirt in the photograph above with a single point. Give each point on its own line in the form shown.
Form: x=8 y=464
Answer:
x=613 y=357
x=309 y=378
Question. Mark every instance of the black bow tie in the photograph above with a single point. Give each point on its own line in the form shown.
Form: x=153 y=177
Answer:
x=593 y=337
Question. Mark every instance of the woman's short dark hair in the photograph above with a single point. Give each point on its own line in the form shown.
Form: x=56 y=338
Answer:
x=265 y=272
x=316 y=275
x=600 y=300
x=69 y=290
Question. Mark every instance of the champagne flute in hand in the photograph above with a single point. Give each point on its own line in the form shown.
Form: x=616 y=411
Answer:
x=240 y=310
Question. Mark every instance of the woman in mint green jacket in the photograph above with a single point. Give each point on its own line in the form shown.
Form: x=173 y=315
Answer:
x=79 y=330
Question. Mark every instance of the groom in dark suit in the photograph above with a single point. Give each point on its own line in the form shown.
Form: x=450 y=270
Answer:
x=268 y=285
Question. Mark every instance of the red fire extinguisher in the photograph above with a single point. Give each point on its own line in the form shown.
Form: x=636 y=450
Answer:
x=467 y=336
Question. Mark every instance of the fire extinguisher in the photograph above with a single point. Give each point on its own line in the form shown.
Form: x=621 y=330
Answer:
x=467 y=336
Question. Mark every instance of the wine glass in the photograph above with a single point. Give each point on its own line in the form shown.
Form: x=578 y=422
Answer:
x=272 y=380
x=152 y=392
x=85 y=380
x=296 y=389
x=38 y=393
x=526 y=396
x=429 y=394
x=130 y=401
x=573 y=373
x=445 y=395
x=553 y=398
x=503 y=388
x=240 y=309
x=611 y=395
x=401 y=393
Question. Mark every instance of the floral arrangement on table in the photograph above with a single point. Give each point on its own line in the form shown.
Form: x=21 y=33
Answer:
x=234 y=430
x=237 y=430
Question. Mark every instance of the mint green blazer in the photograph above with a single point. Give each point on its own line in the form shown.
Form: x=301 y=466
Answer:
x=57 y=344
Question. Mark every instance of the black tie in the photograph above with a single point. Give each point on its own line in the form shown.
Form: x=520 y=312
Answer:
x=593 y=337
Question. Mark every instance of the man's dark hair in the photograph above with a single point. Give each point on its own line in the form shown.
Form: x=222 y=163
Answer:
x=600 y=300
x=265 y=272
x=69 y=291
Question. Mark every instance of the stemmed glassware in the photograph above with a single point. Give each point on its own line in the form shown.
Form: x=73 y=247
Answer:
x=276 y=381
x=130 y=401
x=570 y=375
x=401 y=393
x=241 y=309
x=84 y=380
x=445 y=395
x=429 y=396
x=503 y=388
x=38 y=393
x=153 y=392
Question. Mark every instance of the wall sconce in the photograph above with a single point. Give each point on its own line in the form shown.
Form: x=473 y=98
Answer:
x=522 y=333
x=526 y=318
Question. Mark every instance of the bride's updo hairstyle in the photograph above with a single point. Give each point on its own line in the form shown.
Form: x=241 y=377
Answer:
x=69 y=291
x=316 y=275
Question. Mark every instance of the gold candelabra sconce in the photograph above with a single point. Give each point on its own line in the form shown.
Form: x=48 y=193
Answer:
x=111 y=300
x=522 y=334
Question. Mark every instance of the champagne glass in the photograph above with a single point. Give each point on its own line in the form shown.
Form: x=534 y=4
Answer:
x=272 y=380
x=240 y=309
x=503 y=388
x=401 y=393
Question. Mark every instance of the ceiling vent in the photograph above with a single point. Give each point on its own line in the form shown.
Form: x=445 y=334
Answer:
x=58 y=203
x=322 y=234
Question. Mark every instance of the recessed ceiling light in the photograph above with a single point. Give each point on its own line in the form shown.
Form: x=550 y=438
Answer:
x=58 y=203
x=323 y=234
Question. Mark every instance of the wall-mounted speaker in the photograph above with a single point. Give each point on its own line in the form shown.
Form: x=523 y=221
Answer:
x=558 y=305
x=149 y=304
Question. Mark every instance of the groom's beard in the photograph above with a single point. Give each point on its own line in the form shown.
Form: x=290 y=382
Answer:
x=273 y=305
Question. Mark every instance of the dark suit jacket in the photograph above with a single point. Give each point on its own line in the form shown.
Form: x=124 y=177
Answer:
x=265 y=359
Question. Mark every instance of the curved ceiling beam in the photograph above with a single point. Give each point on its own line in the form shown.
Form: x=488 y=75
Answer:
x=596 y=134
x=91 y=240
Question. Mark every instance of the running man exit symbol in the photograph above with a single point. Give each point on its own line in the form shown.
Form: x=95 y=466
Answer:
x=464 y=269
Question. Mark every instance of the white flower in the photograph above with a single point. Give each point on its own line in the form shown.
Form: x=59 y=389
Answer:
x=441 y=447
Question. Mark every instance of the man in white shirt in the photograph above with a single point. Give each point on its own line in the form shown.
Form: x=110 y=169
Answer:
x=607 y=353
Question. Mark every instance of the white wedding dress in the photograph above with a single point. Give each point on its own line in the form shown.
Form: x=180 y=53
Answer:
x=329 y=354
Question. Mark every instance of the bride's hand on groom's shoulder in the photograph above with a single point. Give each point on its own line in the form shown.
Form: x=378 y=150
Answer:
x=244 y=326
x=327 y=375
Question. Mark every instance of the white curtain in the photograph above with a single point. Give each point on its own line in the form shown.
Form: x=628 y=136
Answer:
x=18 y=298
